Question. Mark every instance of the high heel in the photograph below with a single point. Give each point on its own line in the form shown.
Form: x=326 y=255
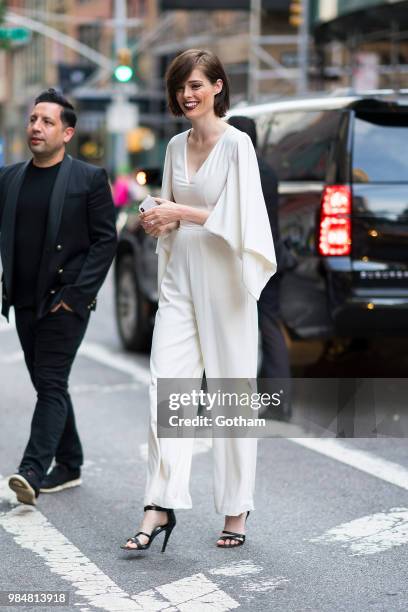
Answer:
x=239 y=538
x=167 y=528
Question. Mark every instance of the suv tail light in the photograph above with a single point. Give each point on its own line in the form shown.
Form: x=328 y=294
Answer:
x=335 y=225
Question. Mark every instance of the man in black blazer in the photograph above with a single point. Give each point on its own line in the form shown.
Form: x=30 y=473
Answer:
x=57 y=242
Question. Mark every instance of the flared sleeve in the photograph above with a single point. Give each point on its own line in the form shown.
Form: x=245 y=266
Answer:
x=164 y=243
x=240 y=217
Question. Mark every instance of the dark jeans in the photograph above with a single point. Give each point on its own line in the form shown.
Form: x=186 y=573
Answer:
x=50 y=345
x=275 y=368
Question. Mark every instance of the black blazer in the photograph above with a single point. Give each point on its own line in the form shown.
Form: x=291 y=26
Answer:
x=80 y=240
x=269 y=184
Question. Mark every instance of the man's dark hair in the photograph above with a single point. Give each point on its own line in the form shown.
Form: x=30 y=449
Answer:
x=68 y=116
x=245 y=124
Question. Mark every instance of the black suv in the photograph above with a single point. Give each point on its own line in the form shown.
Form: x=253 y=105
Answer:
x=342 y=165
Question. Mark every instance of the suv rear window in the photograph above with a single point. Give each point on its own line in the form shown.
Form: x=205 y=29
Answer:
x=380 y=148
x=298 y=144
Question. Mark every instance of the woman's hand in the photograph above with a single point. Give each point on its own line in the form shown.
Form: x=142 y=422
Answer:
x=167 y=212
x=162 y=219
x=161 y=230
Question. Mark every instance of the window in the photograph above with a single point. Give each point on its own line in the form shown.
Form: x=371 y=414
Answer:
x=380 y=148
x=298 y=144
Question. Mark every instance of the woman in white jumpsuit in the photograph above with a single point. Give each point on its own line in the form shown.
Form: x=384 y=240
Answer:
x=216 y=254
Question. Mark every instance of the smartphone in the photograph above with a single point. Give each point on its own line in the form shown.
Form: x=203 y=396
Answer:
x=147 y=204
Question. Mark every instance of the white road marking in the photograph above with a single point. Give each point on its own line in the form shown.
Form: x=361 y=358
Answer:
x=197 y=592
x=265 y=586
x=237 y=568
x=117 y=361
x=6 y=494
x=101 y=355
x=370 y=534
x=32 y=531
x=151 y=601
x=4 y=326
x=361 y=460
x=15 y=357
x=115 y=388
x=191 y=594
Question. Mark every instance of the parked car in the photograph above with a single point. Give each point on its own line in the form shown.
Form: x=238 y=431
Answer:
x=343 y=214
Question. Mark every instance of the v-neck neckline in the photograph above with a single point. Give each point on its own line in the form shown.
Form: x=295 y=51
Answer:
x=191 y=180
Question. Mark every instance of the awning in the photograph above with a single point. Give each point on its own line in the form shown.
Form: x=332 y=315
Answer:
x=220 y=5
x=360 y=17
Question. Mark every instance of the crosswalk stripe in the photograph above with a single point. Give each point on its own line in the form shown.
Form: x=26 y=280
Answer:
x=32 y=531
x=361 y=460
x=370 y=534
x=190 y=594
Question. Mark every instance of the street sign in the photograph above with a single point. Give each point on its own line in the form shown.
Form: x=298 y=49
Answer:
x=121 y=117
x=73 y=75
x=15 y=34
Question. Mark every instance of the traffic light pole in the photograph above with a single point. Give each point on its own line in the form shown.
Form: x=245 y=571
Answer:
x=62 y=39
x=254 y=35
x=303 y=49
x=120 y=159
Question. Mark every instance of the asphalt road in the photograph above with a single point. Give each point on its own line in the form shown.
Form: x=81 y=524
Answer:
x=330 y=532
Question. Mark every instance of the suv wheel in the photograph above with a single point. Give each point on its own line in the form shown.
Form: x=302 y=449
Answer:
x=132 y=308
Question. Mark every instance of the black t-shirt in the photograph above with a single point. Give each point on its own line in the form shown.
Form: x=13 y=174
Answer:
x=31 y=224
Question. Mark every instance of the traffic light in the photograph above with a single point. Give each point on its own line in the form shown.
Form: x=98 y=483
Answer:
x=296 y=13
x=124 y=71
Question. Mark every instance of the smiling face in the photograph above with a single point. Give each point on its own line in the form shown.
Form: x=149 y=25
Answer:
x=46 y=133
x=196 y=96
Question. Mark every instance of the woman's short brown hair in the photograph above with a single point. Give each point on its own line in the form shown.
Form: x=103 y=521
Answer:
x=181 y=68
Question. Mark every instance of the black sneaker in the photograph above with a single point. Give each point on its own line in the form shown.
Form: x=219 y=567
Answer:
x=24 y=485
x=60 y=478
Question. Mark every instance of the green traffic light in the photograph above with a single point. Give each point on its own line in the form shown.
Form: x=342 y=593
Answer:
x=123 y=73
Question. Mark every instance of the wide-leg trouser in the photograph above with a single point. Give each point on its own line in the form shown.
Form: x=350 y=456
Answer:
x=206 y=320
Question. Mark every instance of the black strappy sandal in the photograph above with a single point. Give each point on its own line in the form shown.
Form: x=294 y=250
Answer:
x=167 y=528
x=239 y=538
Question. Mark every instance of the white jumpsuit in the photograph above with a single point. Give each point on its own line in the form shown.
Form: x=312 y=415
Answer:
x=210 y=278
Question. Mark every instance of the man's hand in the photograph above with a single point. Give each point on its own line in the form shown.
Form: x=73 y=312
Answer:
x=61 y=305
